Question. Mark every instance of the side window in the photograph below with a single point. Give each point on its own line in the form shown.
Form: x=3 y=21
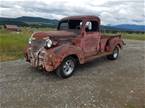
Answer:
x=92 y=26
x=64 y=26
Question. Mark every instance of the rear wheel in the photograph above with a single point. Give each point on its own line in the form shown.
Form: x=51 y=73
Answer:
x=114 y=55
x=66 y=69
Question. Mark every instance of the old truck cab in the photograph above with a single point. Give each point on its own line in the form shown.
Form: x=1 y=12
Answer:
x=77 y=40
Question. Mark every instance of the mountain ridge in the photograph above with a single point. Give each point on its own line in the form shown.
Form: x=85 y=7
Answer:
x=29 y=21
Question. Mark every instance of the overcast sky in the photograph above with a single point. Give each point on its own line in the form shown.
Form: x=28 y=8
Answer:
x=110 y=11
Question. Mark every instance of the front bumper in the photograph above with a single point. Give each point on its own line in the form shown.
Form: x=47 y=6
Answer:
x=40 y=59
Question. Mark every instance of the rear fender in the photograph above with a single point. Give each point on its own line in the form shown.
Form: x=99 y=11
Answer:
x=115 y=42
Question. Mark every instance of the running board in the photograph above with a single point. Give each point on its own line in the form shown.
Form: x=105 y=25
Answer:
x=97 y=56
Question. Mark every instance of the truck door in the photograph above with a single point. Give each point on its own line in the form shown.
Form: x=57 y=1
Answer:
x=91 y=38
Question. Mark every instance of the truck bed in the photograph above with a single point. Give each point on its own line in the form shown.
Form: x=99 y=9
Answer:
x=106 y=39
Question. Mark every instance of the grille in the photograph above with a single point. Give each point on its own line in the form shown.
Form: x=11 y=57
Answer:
x=37 y=44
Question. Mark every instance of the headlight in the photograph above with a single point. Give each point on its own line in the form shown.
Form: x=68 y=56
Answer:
x=48 y=43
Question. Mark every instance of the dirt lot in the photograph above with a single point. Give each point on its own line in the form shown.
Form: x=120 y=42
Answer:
x=98 y=84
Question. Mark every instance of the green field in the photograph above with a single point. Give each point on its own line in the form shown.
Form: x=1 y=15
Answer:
x=12 y=44
x=134 y=36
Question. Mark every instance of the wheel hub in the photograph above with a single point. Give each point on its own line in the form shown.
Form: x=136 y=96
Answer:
x=68 y=67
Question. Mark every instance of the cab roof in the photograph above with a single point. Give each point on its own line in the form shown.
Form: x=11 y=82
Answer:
x=87 y=17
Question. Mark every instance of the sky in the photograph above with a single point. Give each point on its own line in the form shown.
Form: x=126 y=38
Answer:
x=110 y=11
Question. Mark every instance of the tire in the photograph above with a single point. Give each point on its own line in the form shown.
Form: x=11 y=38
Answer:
x=67 y=68
x=114 y=55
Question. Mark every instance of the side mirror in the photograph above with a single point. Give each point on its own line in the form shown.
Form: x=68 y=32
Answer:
x=88 y=26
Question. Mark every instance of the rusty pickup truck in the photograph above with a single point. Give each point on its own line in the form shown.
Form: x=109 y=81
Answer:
x=77 y=40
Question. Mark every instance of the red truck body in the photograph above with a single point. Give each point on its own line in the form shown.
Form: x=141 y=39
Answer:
x=77 y=38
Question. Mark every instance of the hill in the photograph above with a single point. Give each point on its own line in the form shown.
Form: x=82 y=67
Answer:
x=130 y=27
x=29 y=21
x=43 y=22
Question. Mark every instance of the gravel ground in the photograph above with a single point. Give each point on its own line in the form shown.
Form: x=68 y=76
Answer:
x=97 y=84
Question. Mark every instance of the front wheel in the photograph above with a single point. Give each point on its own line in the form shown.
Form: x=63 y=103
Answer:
x=114 y=54
x=66 y=69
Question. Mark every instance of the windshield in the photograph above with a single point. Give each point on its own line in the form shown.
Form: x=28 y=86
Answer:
x=70 y=25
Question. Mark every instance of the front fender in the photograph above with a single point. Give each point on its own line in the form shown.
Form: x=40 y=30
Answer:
x=66 y=50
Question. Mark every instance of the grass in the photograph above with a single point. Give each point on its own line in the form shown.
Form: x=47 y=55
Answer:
x=133 y=36
x=12 y=44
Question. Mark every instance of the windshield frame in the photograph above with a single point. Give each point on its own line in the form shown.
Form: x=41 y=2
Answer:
x=67 y=20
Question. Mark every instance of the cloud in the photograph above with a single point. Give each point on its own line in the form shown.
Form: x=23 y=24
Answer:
x=110 y=11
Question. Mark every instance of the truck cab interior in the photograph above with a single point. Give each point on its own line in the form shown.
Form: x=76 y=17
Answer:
x=70 y=25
